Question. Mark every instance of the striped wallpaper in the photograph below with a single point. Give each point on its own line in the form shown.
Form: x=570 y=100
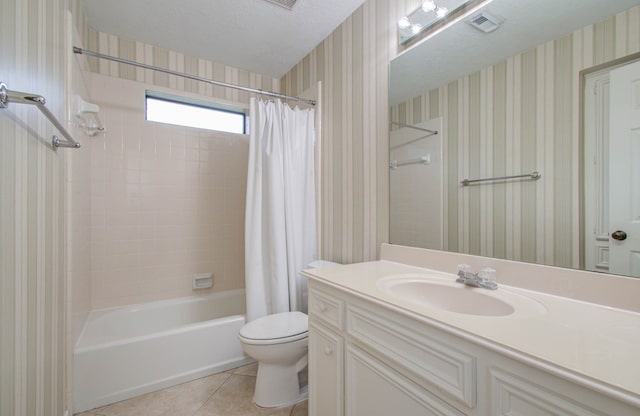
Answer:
x=514 y=117
x=32 y=212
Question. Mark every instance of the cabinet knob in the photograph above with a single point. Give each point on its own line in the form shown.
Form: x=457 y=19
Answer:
x=328 y=350
x=323 y=307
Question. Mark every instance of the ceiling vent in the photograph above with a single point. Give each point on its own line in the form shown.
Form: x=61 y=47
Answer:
x=287 y=4
x=485 y=21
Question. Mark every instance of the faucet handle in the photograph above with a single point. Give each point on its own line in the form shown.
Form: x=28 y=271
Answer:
x=487 y=274
x=464 y=268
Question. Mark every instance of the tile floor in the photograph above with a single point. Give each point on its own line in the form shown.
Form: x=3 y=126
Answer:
x=224 y=394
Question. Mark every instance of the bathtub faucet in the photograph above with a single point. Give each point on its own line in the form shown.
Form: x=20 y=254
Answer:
x=485 y=278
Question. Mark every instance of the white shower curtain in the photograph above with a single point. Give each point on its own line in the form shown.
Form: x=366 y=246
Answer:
x=280 y=221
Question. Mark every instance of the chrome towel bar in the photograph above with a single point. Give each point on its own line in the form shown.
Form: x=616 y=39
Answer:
x=533 y=175
x=424 y=160
x=7 y=96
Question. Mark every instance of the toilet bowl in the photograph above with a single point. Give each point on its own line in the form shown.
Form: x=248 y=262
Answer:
x=279 y=343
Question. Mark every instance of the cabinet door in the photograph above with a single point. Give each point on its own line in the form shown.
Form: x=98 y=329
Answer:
x=326 y=372
x=374 y=389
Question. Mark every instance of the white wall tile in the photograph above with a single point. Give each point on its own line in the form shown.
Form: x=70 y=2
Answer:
x=166 y=201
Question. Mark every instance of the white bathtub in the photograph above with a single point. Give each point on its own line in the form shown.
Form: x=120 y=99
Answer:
x=127 y=351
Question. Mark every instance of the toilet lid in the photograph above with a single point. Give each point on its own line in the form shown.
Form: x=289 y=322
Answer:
x=279 y=325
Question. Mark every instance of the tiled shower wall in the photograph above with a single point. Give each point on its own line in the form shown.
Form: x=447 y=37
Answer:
x=167 y=202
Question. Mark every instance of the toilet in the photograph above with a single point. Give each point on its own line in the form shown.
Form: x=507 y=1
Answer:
x=279 y=344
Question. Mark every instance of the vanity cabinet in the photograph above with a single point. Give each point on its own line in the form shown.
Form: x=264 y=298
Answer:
x=368 y=358
x=372 y=387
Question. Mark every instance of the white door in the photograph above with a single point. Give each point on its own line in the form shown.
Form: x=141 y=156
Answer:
x=624 y=168
x=596 y=171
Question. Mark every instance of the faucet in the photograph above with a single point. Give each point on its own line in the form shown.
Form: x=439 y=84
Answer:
x=484 y=279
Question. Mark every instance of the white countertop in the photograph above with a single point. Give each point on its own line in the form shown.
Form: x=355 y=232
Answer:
x=596 y=345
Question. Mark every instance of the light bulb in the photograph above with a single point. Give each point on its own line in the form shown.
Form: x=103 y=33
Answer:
x=404 y=23
x=442 y=12
x=428 y=6
x=415 y=29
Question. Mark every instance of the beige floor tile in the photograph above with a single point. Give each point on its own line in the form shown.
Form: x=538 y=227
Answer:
x=301 y=409
x=181 y=400
x=234 y=399
x=229 y=394
x=247 y=370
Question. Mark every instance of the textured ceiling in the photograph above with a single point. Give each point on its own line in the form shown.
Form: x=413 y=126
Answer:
x=255 y=35
x=461 y=50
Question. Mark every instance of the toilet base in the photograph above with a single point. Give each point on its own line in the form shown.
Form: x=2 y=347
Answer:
x=280 y=357
x=278 y=386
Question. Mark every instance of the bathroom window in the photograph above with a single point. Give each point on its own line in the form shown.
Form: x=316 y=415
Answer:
x=181 y=111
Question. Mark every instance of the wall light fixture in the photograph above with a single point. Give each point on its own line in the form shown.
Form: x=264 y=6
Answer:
x=429 y=13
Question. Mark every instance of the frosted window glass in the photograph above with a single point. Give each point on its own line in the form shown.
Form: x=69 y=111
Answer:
x=182 y=114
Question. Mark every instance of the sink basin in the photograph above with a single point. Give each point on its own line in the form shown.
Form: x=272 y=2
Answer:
x=442 y=294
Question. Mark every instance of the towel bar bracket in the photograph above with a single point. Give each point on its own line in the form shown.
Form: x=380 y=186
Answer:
x=56 y=142
x=4 y=100
x=39 y=101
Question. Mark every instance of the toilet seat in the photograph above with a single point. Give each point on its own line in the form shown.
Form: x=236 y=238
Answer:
x=276 y=329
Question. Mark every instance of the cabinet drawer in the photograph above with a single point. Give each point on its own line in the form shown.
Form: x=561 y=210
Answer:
x=327 y=309
x=512 y=395
x=427 y=361
x=375 y=389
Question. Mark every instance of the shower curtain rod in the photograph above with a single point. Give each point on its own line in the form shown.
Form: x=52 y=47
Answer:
x=81 y=51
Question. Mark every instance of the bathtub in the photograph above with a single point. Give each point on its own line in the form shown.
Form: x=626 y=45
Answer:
x=127 y=351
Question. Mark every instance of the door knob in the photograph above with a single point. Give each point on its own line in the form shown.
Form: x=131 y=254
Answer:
x=619 y=235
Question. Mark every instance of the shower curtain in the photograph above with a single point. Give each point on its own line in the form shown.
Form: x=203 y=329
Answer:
x=280 y=219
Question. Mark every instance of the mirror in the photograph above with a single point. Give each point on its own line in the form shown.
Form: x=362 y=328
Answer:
x=510 y=103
